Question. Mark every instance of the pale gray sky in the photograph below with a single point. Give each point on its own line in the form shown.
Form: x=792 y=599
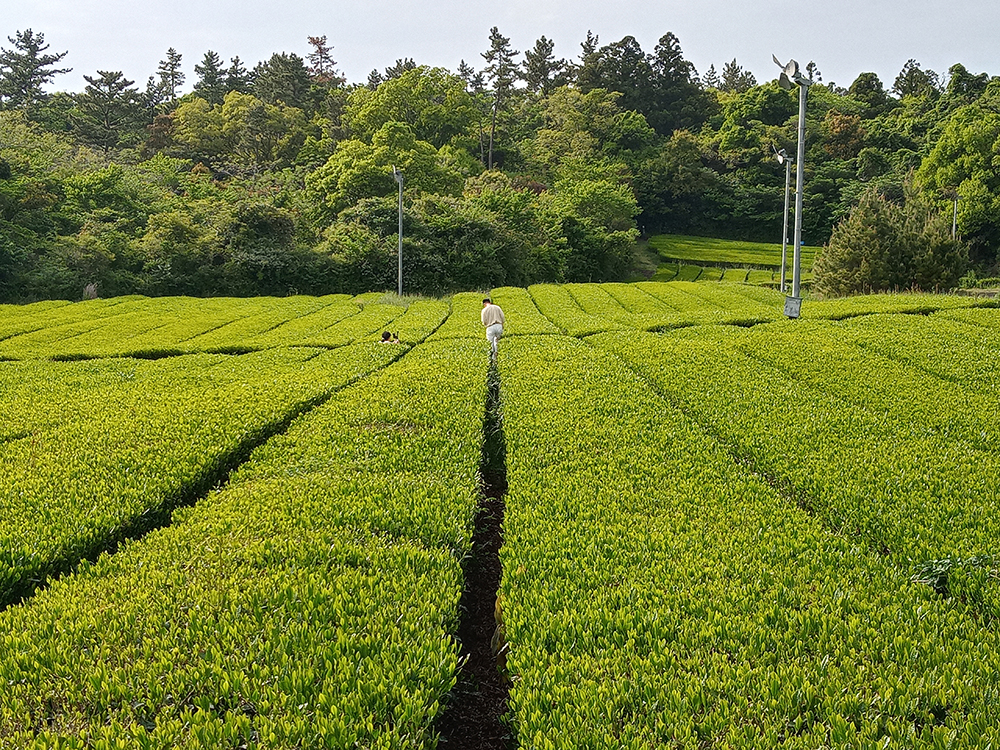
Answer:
x=844 y=38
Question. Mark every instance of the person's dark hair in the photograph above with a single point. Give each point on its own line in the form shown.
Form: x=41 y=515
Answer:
x=386 y=336
x=487 y=299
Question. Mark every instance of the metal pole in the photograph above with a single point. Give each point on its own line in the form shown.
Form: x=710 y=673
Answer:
x=800 y=178
x=398 y=176
x=784 y=225
x=400 y=291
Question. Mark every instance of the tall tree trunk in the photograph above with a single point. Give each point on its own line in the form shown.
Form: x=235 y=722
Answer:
x=493 y=129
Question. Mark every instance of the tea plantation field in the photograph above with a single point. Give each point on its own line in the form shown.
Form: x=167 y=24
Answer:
x=242 y=523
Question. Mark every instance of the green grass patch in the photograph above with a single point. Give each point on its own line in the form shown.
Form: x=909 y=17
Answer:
x=711 y=274
x=688 y=273
x=676 y=247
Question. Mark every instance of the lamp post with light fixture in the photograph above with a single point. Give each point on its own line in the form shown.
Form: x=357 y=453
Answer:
x=792 y=76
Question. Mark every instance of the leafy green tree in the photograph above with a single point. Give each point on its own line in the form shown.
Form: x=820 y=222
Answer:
x=587 y=127
x=28 y=149
x=965 y=162
x=181 y=255
x=260 y=240
x=108 y=112
x=431 y=101
x=198 y=132
x=597 y=219
x=674 y=187
x=25 y=69
x=171 y=75
x=211 y=84
x=260 y=136
x=359 y=170
x=501 y=72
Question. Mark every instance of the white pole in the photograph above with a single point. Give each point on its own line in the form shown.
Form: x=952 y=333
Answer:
x=400 y=292
x=784 y=224
x=399 y=178
x=800 y=178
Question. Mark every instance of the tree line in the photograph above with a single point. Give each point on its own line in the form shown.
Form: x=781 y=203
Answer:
x=519 y=168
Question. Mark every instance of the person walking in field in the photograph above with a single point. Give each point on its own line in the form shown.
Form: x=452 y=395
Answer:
x=492 y=317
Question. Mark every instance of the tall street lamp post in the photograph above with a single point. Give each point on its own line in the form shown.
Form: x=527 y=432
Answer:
x=791 y=76
x=399 y=179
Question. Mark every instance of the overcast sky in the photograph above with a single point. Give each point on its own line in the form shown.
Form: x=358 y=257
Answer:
x=843 y=38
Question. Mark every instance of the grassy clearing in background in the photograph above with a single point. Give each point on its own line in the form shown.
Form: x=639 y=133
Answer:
x=675 y=247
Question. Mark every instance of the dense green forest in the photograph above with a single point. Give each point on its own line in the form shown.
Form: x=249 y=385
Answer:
x=278 y=179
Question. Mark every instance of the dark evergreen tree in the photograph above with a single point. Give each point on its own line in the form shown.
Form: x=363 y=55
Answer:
x=912 y=81
x=542 y=72
x=868 y=89
x=237 y=77
x=963 y=86
x=677 y=100
x=585 y=74
x=171 y=76
x=211 y=84
x=883 y=246
x=283 y=78
x=25 y=69
x=623 y=67
x=152 y=98
x=401 y=66
x=734 y=78
x=108 y=112
x=502 y=73
x=711 y=79
x=374 y=79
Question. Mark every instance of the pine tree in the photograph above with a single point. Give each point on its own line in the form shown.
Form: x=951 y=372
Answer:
x=322 y=66
x=734 y=78
x=711 y=79
x=211 y=85
x=171 y=77
x=402 y=65
x=237 y=77
x=542 y=72
x=108 y=113
x=25 y=69
x=283 y=78
x=151 y=99
x=502 y=72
